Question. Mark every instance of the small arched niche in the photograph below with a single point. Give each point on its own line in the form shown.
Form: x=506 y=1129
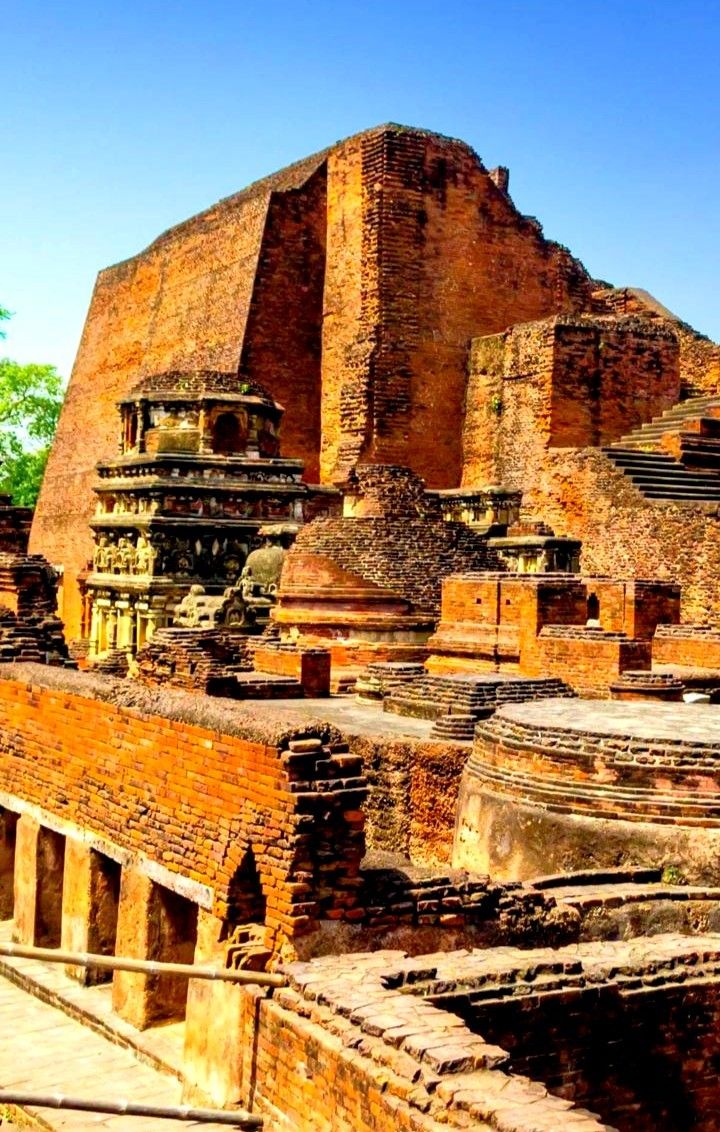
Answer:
x=246 y=900
x=593 y=607
x=228 y=435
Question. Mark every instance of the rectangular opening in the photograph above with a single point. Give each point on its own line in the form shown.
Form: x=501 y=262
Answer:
x=105 y=875
x=48 y=907
x=176 y=923
x=8 y=834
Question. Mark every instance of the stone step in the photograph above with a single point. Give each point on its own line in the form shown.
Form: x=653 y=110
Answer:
x=659 y=476
x=442 y=697
x=691 y=409
x=691 y=482
x=684 y=496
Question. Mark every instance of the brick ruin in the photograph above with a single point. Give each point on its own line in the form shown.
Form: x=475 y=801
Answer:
x=417 y=711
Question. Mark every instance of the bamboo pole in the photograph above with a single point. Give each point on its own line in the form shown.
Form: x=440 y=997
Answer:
x=142 y=966
x=238 y=1118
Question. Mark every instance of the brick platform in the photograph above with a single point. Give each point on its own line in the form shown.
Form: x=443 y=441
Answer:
x=562 y=783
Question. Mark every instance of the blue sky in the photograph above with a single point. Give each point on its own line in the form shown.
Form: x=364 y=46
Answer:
x=119 y=120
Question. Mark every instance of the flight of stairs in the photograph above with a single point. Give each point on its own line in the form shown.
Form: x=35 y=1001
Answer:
x=657 y=474
x=693 y=409
x=662 y=477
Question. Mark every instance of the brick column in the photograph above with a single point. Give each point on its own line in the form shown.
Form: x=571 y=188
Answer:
x=39 y=854
x=89 y=907
x=214 y=1031
x=153 y=924
x=8 y=822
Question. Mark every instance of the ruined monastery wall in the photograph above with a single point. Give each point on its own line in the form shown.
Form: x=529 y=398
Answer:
x=424 y=250
x=281 y=347
x=581 y=494
x=189 y=797
x=561 y=383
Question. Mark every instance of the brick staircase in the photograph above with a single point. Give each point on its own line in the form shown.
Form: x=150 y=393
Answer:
x=659 y=476
x=693 y=477
x=705 y=410
x=456 y=702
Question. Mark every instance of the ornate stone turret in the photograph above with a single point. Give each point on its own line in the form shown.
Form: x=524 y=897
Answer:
x=180 y=509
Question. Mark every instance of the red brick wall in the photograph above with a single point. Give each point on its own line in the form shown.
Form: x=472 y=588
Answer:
x=699 y=357
x=424 y=250
x=281 y=347
x=302 y=1077
x=559 y=383
x=581 y=494
x=644 y=1060
x=310 y=666
x=191 y=797
x=687 y=644
x=498 y=618
x=609 y=377
x=587 y=661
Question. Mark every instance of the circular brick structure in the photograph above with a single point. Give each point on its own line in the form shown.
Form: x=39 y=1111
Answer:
x=562 y=784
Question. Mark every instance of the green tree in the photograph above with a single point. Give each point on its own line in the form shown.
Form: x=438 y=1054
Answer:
x=30 y=400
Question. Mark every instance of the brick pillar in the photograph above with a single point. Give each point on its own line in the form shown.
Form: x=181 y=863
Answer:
x=90 y=907
x=214 y=1031
x=39 y=855
x=8 y=823
x=153 y=924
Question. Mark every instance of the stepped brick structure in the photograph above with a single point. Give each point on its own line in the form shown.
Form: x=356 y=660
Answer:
x=541 y=773
x=347 y=285
x=485 y=883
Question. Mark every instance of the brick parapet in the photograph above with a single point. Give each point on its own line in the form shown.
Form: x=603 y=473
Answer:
x=188 y=786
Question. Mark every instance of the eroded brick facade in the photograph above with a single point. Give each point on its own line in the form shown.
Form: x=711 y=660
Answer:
x=349 y=285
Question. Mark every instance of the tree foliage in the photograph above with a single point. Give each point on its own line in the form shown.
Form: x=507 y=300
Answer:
x=30 y=400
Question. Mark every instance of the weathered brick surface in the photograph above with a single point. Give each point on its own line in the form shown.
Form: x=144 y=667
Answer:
x=699 y=357
x=628 y=1030
x=536 y=625
x=565 y=382
x=349 y=284
x=310 y=666
x=412 y=798
x=542 y=397
x=697 y=646
x=581 y=494
x=192 y=796
x=424 y=250
x=360 y=1022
